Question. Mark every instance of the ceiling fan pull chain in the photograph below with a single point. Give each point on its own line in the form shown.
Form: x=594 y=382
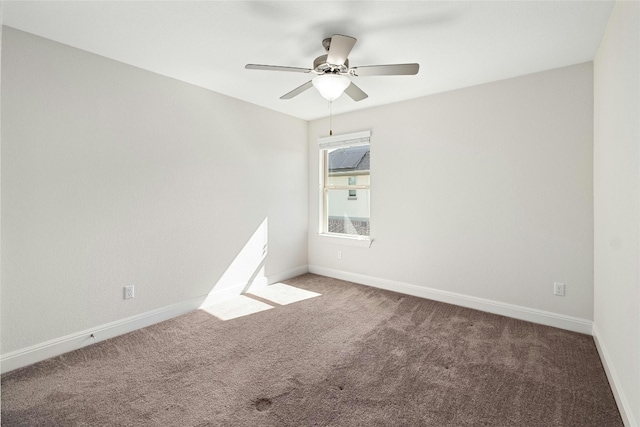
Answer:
x=330 y=119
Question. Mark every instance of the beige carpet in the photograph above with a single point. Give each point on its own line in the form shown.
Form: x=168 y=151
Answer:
x=354 y=356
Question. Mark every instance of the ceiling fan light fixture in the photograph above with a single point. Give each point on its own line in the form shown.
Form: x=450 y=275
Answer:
x=331 y=86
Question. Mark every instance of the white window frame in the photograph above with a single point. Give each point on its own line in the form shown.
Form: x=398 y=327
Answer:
x=325 y=144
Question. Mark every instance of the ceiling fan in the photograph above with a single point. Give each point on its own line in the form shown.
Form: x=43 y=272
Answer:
x=333 y=71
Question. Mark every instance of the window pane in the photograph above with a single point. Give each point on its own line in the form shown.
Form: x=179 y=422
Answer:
x=348 y=216
x=348 y=166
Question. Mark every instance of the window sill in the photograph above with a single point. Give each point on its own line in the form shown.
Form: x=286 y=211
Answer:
x=361 y=242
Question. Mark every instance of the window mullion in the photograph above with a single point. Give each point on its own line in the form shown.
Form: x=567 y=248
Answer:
x=346 y=187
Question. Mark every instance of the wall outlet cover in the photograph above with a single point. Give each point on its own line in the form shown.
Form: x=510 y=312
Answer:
x=128 y=292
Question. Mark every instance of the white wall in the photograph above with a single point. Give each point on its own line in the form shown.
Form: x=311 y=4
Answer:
x=616 y=205
x=484 y=193
x=112 y=175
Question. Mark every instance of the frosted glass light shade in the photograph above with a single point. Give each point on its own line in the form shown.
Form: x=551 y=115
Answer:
x=331 y=86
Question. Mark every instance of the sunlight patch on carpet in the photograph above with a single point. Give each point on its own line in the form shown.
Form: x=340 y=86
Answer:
x=236 y=307
x=282 y=294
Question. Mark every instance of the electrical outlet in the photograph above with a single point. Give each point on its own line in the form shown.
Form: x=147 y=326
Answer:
x=558 y=289
x=128 y=292
x=339 y=254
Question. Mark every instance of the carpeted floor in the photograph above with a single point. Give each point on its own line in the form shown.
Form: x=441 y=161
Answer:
x=355 y=356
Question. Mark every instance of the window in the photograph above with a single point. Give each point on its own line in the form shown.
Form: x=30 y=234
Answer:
x=352 y=193
x=345 y=178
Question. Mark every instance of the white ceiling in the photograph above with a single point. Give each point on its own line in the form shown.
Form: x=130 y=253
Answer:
x=208 y=43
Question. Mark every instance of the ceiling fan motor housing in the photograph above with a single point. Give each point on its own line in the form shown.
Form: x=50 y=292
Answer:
x=321 y=66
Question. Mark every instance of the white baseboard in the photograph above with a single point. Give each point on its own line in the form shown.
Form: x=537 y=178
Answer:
x=621 y=400
x=36 y=353
x=510 y=310
x=297 y=271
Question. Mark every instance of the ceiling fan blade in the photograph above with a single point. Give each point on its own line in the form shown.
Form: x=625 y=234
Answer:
x=355 y=92
x=277 y=68
x=386 y=70
x=298 y=90
x=339 y=49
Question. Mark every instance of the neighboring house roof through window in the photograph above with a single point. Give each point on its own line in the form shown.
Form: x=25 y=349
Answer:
x=349 y=159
